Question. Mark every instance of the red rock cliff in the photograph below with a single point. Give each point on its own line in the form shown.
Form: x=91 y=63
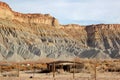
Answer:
x=7 y=13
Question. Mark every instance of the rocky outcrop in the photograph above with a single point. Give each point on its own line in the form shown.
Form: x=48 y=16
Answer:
x=102 y=39
x=108 y=34
x=7 y=13
x=34 y=36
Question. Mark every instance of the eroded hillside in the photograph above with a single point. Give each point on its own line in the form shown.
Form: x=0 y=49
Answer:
x=32 y=36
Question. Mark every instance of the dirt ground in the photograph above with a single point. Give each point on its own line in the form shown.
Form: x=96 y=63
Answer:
x=64 y=76
x=105 y=70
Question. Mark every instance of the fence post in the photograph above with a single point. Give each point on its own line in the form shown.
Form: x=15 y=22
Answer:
x=74 y=69
x=18 y=69
x=54 y=70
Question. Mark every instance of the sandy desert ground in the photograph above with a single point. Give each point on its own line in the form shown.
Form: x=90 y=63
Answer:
x=64 y=76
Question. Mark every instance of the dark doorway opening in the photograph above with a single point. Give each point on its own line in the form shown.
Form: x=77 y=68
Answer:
x=66 y=68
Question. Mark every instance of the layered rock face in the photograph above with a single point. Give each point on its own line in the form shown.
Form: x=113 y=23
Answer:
x=102 y=40
x=7 y=13
x=35 y=36
x=105 y=37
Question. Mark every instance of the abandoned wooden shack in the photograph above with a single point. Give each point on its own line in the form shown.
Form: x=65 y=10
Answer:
x=65 y=66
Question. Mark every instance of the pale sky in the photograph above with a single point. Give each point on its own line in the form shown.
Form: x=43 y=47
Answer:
x=81 y=12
